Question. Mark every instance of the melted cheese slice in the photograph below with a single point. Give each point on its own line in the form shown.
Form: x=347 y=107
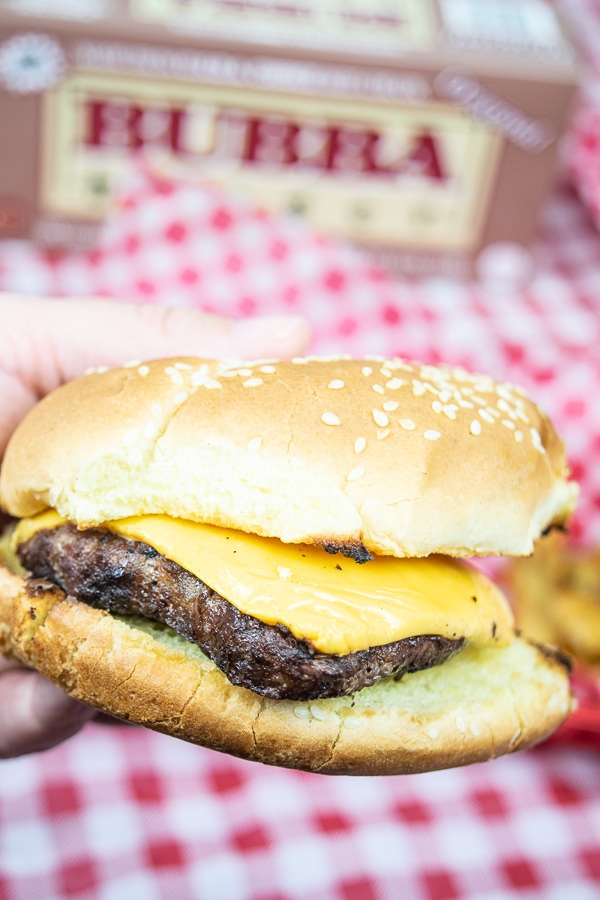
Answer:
x=335 y=603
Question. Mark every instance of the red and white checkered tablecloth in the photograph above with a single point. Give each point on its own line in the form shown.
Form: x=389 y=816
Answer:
x=119 y=812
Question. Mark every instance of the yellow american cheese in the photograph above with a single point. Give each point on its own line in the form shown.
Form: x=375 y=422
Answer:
x=335 y=603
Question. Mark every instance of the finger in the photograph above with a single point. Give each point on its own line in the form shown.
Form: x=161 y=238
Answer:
x=34 y=713
x=44 y=343
x=52 y=341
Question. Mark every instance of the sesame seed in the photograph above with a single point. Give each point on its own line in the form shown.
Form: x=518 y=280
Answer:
x=394 y=383
x=466 y=404
x=486 y=416
x=253 y=382
x=382 y=433
x=359 y=445
x=418 y=388
x=461 y=724
x=336 y=384
x=503 y=392
x=391 y=405
x=355 y=473
x=518 y=435
x=330 y=418
x=380 y=418
x=449 y=409
x=299 y=360
x=431 y=435
x=378 y=389
x=143 y=371
x=132 y=364
x=175 y=375
x=149 y=430
x=297 y=463
x=506 y=407
x=129 y=437
x=537 y=440
x=515 y=738
x=183 y=366
x=318 y=713
x=386 y=372
x=351 y=722
x=445 y=396
x=437 y=406
x=433 y=733
x=254 y=445
x=100 y=370
x=284 y=573
x=407 y=424
x=180 y=397
x=475 y=427
x=508 y=424
x=268 y=370
x=245 y=373
x=303 y=712
x=366 y=370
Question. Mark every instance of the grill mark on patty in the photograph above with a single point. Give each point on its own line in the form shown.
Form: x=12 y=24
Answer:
x=128 y=577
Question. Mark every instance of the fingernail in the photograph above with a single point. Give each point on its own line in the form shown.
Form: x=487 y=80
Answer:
x=281 y=328
x=287 y=328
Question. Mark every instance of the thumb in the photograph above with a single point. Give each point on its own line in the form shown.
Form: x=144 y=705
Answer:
x=45 y=342
x=56 y=340
x=34 y=714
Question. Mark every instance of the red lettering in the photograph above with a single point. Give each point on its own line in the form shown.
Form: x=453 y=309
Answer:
x=256 y=139
x=270 y=142
x=424 y=159
x=352 y=151
x=132 y=127
x=331 y=148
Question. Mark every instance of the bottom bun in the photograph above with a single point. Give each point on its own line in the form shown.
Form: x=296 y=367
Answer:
x=480 y=704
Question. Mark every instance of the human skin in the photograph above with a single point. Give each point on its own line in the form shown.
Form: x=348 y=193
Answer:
x=46 y=342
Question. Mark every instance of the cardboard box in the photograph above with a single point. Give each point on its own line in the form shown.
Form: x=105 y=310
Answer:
x=425 y=130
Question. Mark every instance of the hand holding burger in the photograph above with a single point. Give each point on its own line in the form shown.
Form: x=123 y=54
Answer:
x=261 y=557
x=46 y=342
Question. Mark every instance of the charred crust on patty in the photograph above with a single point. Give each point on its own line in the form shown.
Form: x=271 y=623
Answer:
x=553 y=654
x=127 y=577
x=355 y=550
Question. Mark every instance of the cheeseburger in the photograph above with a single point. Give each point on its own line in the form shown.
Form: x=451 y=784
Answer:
x=263 y=557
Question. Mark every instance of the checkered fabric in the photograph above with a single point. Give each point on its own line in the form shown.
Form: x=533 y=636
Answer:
x=119 y=812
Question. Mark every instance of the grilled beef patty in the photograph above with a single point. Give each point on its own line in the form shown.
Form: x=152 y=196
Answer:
x=128 y=577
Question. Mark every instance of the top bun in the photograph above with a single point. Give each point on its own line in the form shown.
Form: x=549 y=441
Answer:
x=403 y=458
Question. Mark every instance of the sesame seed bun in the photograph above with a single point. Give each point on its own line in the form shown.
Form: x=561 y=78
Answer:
x=403 y=459
x=482 y=703
x=371 y=456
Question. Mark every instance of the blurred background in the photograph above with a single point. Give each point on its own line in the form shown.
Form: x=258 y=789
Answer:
x=415 y=177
